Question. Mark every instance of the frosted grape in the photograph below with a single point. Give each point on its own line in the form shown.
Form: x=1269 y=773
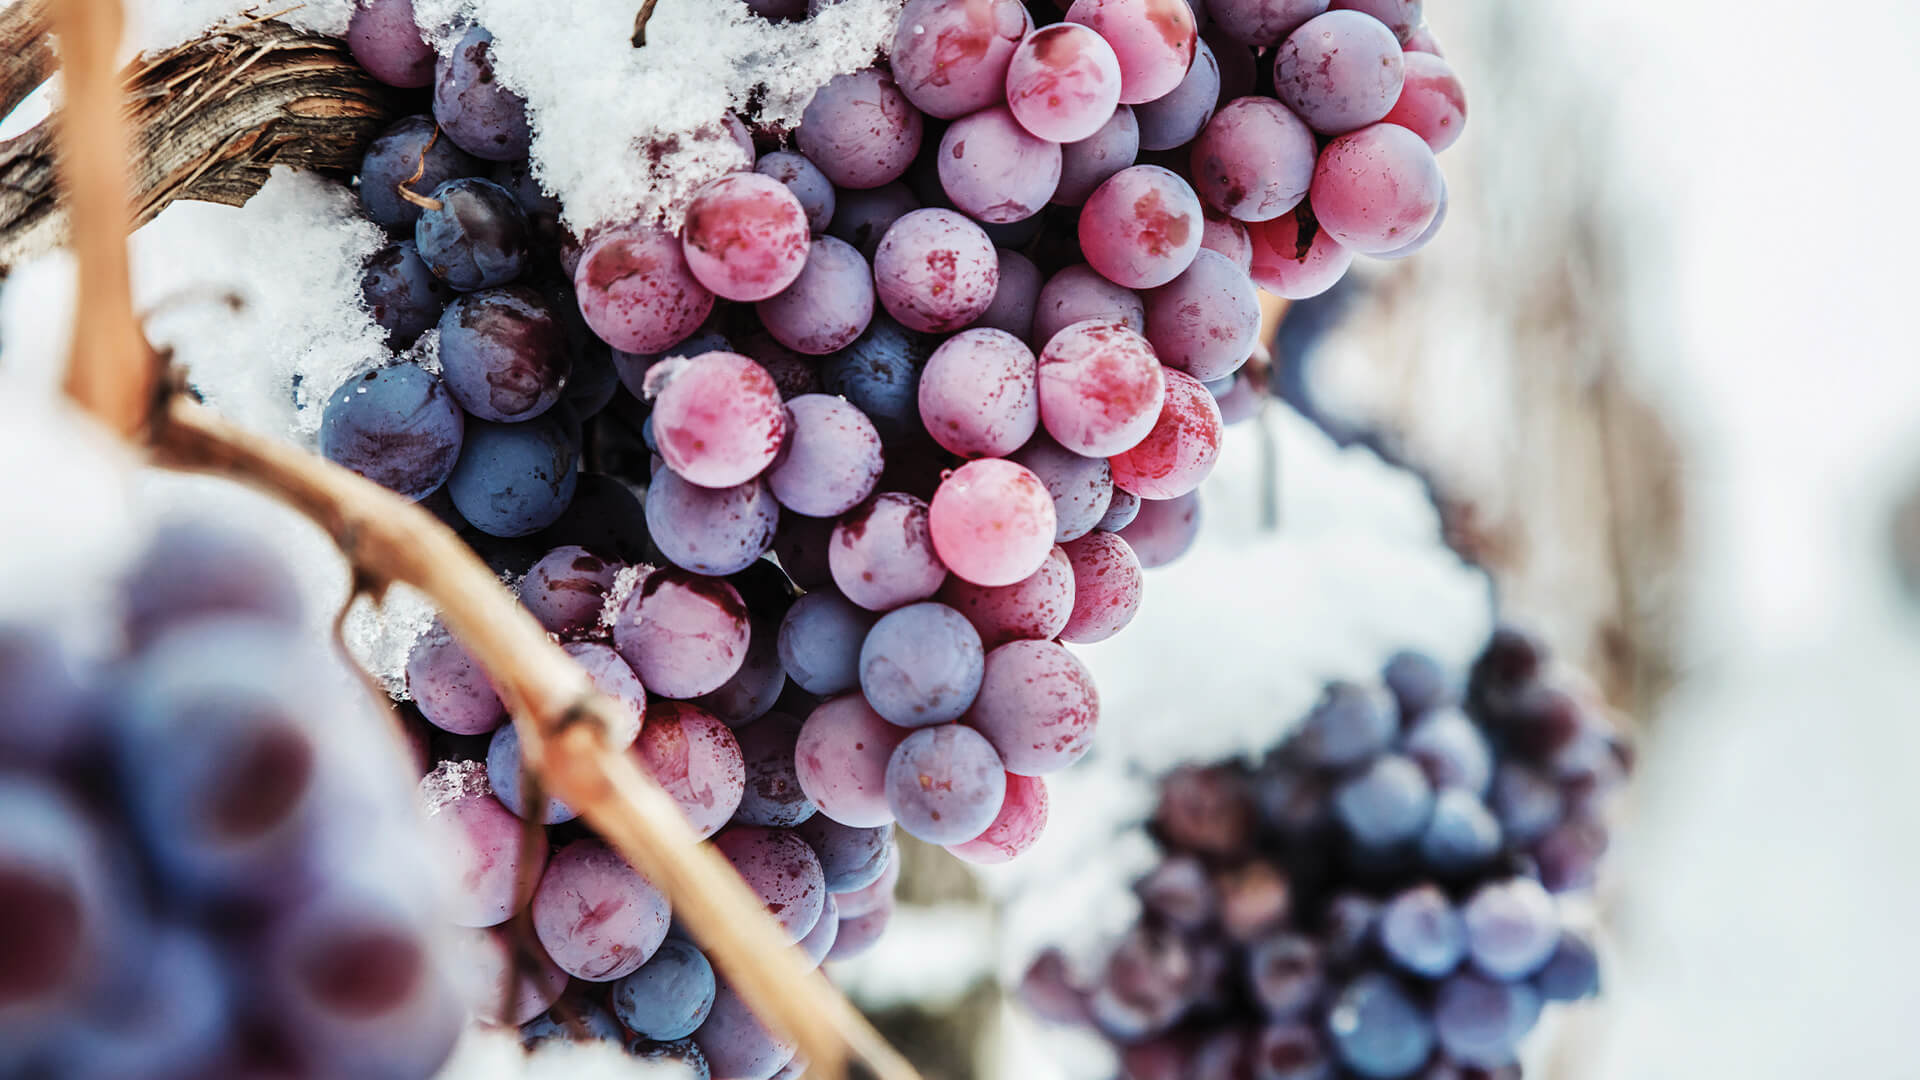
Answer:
x=1419 y=243
x=815 y=947
x=476 y=844
x=473 y=108
x=882 y=555
x=1377 y=189
x=396 y=426
x=921 y=665
x=636 y=290
x=1022 y=818
x=992 y=522
x=502 y=354
x=566 y=589
x=951 y=58
x=683 y=634
x=1101 y=388
x=1086 y=164
x=879 y=374
x=1141 y=227
x=1254 y=160
x=1205 y=322
x=1063 y=83
x=716 y=531
x=782 y=870
x=979 y=393
x=1480 y=1022
x=1180 y=450
x=717 y=418
x=945 y=784
x=1081 y=487
x=1262 y=22
x=820 y=640
x=1015 y=298
x=515 y=479
x=745 y=237
x=860 y=130
x=1037 y=706
x=1121 y=512
x=1432 y=103
x=1078 y=293
x=390 y=161
x=506 y=773
x=691 y=754
x=667 y=997
x=453 y=693
x=1174 y=120
x=994 y=169
x=851 y=858
x=1403 y=17
x=861 y=218
x=832 y=458
x=828 y=306
x=802 y=177
x=858 y=933
x=1229 y=238
x=752 y=691
x=879 y=894
x=1339 y=72
x=737 y=1046
x=935 y=271
x=1036 y=607
x=1107 y=585
x=598 y=918
x=1154 y=40
x=386 y=42
x=841 y=758
x=773 y=797
x=402 y=293
x=1294 y=258
x=477 y=238
x=1512 y=927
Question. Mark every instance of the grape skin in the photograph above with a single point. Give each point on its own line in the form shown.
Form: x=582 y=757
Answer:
x=598 y=918
x=1339 y=72
x=1107 y=587
x=1022 y=818
x=1285 y=267
x=1262 y=22
x=1081 y=487
x=1254 y=160
x=669 y=996
x=935 y=271
x=841 y=758
x=1419 y=243
x=782 y=870
x=514 y=479
x=485 y=118
x=1154 y=40
x=385 y=41
x=390 y=161
x=1141 y=227
x=1206 y=322
x=477 y=843
x=402 y=293
x=1078 y=293
x=1432 y=103
x=1181 y=449
x=945 y=784
x=882 y=555
x=717 y=418
x=807 y=183
x=502 y=355
x=452 y=692
x=1377 y=189
x=860 y=130
x=1037 y=705
x=1175 y=119
x=737 y=1046
x=745 y=237
x=832 y=458
x=1063 y=83
x=828 y=306
x=1512 y=928
x=1086 y=164
x=921 y=665
x=1421 y=932
x=951 y=59
x=1101 y=388
x=850 y=858
x=1035 y=608
x=1480 y=1022
x=820 y=640
x=691 y=754
x=992 y=522
x=979 y=393
x=684 y=635
x=773 y=796
x=636 y=291
x=396 y=426
x=712 y=531
x=1227 y=237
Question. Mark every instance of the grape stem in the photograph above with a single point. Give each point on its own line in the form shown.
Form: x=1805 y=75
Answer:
x=640 y=22
x=420 y=169
x=562 y=721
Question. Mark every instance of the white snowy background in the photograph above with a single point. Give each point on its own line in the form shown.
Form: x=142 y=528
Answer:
x=1764 y=928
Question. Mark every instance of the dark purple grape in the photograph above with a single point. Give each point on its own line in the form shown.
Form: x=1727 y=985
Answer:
x=1255 y=899
x=710 y=530
x=1385 y=804
x=880 y=374
x=515 y=479
x=851 y=858
x=1422 y=933
x=1287 y=975
x=566 y=589
x=192 y=570
x=1179 y=893
x=1207 y=810
x=396 y=426
x=56 y=929
x=386 y=41
x=752 y=691
x=1451 y=750
x=1461 y=835
x=502 y=354
x=1289 y=1051
x=1120 y=512
x=405 y=297
x=669 y=996
x=1417 y=682
x=1512 y=927
x=862 y=217
x=1350 y=725
x=1348 y=926
x=473 y=108
x=394 y=156
x=1049 y=989
x=773 y=797
x=1480 y=1022
x=477 y=238
x=736 y=1044
x=1572 y=972
x=1378 y=1031
x=820 y=641
x=1147 y=985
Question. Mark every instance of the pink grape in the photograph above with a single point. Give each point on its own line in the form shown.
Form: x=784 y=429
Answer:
x=717 y=418
x=745 y=236
x=612 y=676
x=1377 y=189
x=715 y=531
x=1141 y=227
x=737 y=131
x=483 y=961
x=858 y=933
x=1015 y=298
x=1180 y=450
x=860 y=130
x=684 y=635
x=1254 y=161
x=1432 y=104
x=477 y=843
x=598 y=918
x=832 y=458
x=1426 y=236
x=996 y=171
x=992 y=522
x=1229 y=238
x=1154 y=40
x=1078 y=293
x=636 y=291
x=386 y=41
x=879 y=894
x=1101 y=388
x=1163 y=530
x=566 y=589
x=841 y=758
x=453 y=693
x=1339 y=72
x=882 y=555
x=1262 y=22
x=782 y=870
x=951 y=58
x=935 y=271
x=736 y=1044
x=1034 y=608
x=1023 y=817
x=1107 y=584
x=1294 y=258
x=1081 y=486
x=691 y=753
x=979 y=393
x=1087 y=164
x=1064 y=82
x=945 y=784
x=805 y=180
x=1037 y=705
x=1403 y=17
x=1174 y=120
x=1422 y=40
x=1206 y=321
x=827 y=306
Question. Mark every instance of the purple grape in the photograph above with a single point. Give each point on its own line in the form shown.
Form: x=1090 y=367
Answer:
x=851 y=858
x=935 y=271
x=921 y=665
x=1385 y=804
x=502 y=354
x=753 y=690
x=1572 y=972
x=1417 y=682
x=1350 y=725
x=1377 y=1030
x=1527 y=803
x=1175 y=118
x=692 y=755
x=1461 y=835
x=996 y=171
x=396 y=426
x=1348 y=927
x=1206 y=322
x=713 y=531
x=1422 y=933
x=828 y=306
x=1079 y=293
x=979 y=394
x=598 y=918
x=386 y=42
x=945 y=784
x=876 y=896
x=862 y=217
x=566 y=589
x=485 y=118
x=805 y=180
x=773 y=796
x=636 y=291
x=880 y=375
x=453 y=693
x=669 y=996
x=477 y=843
x=782 y=870
x=951 y=58
x=684 y=635
x=1403 y=17
x=515 y=479
x=736 y=1044
x=390 y=162
x=1287 y=975
x=54 y=888
x=882 y=554
x=1254 y=161
x=477 y=238
x=1451 y=750
x=1087 y=164
x=817 y=944
x=405 y=298
x=1480 y=1022
x=820 y=641
x=832 y=458
x=505 y=773
x=860 y=130
x=842 y=758
x=1037 y=705
x=1120 y=512
x=171 y=1013
x=1082 y=487
x=1262 y=22
x=484 y=963
x=1016 y=297
x=1512 y=927
x=1179 y=893
x=611 y=675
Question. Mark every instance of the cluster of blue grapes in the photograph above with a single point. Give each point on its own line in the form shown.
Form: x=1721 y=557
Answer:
x=199 y=871
x=1378 y=897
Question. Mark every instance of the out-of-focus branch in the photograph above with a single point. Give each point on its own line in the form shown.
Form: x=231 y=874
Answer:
x=26 y=52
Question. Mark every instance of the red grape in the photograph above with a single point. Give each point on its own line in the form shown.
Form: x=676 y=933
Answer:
x=636 y=291
x=1294 y=258
x=1433 y=104
x=979 y=395
x=1377 y=189
x=685 y=635
x=717 y=418
x=945 y=784
x=1023 y=816
x=992 y=522
x=745 y=236
x=597 y=917
x=1107 y=584
x=951 y=58
x=1087 y=164
x=1078 y=293
x=477 y=842
x=841 y=758
x=1229 y=238
x=1101 y=388
x=882 y=555
x=1015 y=298
x=935 y=271
x=1064 y=82
x=1180 y=450
x=1339 y=72
x=1141 y=227
x=1034 y=608
x=1154 y=40
x=1037 y=705
x=1081 y=486
x=782 y=870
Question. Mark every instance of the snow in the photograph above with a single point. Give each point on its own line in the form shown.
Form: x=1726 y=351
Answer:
x=493 y=1054
x=450 y=781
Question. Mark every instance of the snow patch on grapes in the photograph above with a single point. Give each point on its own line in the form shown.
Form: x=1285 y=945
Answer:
x=381 y=636
x=450 y=781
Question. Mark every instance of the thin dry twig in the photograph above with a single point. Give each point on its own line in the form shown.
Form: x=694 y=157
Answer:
x=26 y=52
x=640 y=22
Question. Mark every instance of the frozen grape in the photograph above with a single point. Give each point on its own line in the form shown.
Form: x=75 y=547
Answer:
x=684 y=634
x=637 y=292
x=1422 y=933
x=862 y=217
x=841 y=758
x=1512 y=927
x=992 y=522
x=1086 y=164
x=502 y=354
x=1037 y=705
x=633 y=367
x=1402 y=17
x=752 y=691
x=715 y=531
x=851 y=858
x=476 y=238
x=1182 y=447
x=1121 y=512
x=453 y=693
x=1378 y=1031
x=978 y=393
x=691 y=754
x=1101 y=388
x=1163 y=529
x=1078 y=293
x=808 y=184
x=737 y=1046
x=1294 y=258
x=921 y=665
x=773 y=797
x=667 y=997
x=820 y=642
x=515 y=479
x=860 y=130
x=718 y=418
x=1174 y=119
x=1107 y=586
x=935 y=271
x=1419 y=243
x=828 y=306
x=1205 y=322
x=506 y=773
x=412 y=144
x=1254 y=161
x=1154 y=40
x=1432 y=103
x=386 y=42
x=1022 y=818
x=598 y=918
x=782 y=870
x=485 y=963
x=815 y=947
x=1063 y=83
x=858 y=933
x=882 y=555
x=1035 y=608
x=945 y=784
x=1339 y=72
x=994 y=169
x=745 y=236
x=880 y=374
x=566 y=589
x=477 y=843
x=472 y=106
x=1015 y=298
x=1480 y=1022
x=1141 y=227
x=1081 y=487
x=877 y=895
x=396 y=426
x=402 y=293
x=1376 y=189
x=951 y=58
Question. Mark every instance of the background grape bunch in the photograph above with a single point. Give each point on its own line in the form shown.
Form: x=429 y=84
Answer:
x=1379 y=897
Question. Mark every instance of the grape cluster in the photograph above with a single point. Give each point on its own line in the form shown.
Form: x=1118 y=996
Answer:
x=1375 y=899
x=200 y=871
